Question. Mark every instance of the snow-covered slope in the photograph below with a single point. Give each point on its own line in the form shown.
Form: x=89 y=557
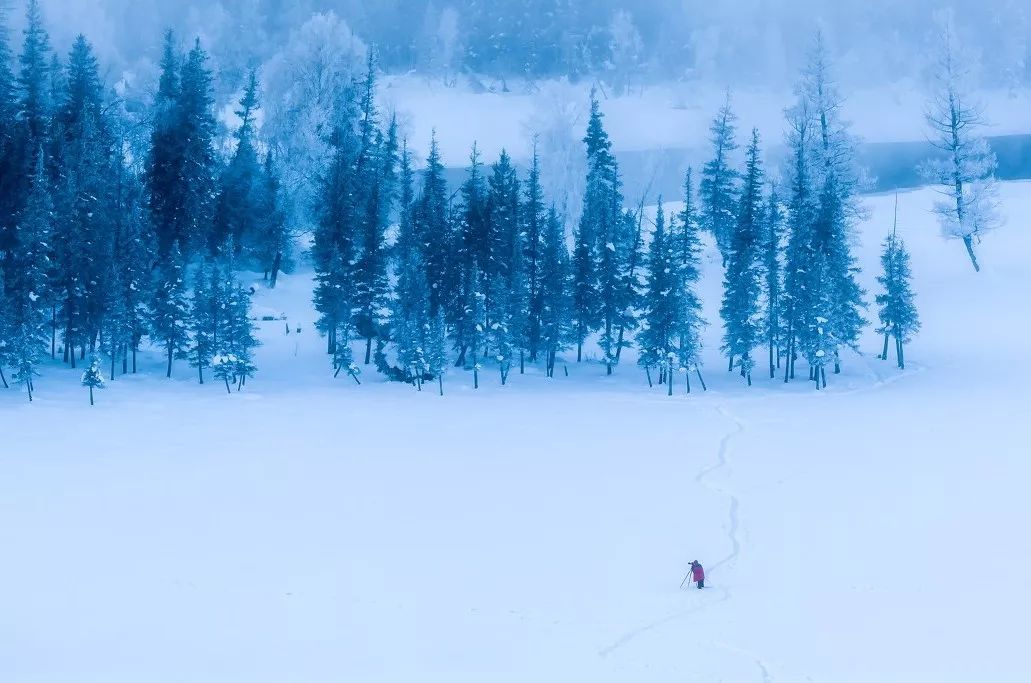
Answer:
x=310 y=529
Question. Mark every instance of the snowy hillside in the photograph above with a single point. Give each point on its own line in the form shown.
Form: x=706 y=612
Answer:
x=310 y=529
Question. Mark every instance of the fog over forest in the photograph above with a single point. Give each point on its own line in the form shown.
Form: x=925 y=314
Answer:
x=740 y=43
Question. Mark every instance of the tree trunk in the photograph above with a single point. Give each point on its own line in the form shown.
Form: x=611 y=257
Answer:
x=113 y=354
x=687 y=380
x=901 y=353
x=476 y=378
x=28 y=386
x=669 y=383
x=228 y=390
x=748 y=377
x=823 y=376
x=134 y=359
x=884 y=353
x=169 y=372
x=276 y=262
x=4 y=379
x=368 y=349
x=53 y=331
x=773 y=370
x=730 y=364
x=354 y=376
x=125 y=359
x=837 y=363
x=702 y=381
x=579 y=351
x=565 y=370
x=91 y=395
x=648 y=374
x=522 y=363
x=440 y=383
x=968 y=242
x=200 y=371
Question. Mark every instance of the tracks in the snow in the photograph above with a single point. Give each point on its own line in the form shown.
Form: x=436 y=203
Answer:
x=732 y=535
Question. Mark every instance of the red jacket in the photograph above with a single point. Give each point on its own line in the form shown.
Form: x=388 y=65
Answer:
x=697 y=573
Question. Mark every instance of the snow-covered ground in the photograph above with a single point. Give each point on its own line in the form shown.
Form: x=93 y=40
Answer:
x=313 y=530
x=667 y=116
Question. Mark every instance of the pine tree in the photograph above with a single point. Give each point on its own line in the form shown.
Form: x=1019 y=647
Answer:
x=436 y=353
x=28 y=284
x=740 y=308
x=35 y=106
x=12 y=177
x=718 y=187
x=236 y=211
x=896 y=308
x=965 y=169
x=534 y=218
x=600 y=221
x=93 y=377
x=238 y=340
x=661 y=300
x=170 y=312
x=555 y=294
x=410 y=311
x=371 y=267
x=165 y=158
x=116 y=318
x=6 y=333
x=273 y=242
x=202 y=320
x=135 y=260
x=433 y=228
x=691 y=321
x=772 y=247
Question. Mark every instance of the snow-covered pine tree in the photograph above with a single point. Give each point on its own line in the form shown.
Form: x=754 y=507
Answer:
x=838 y=205
x=472 y=254
x=170 y=309
x=600 y=221
x=135 y=261
x=5 y=330
x=772 y=245
x=801 y=210
x=718 y=188
x=434 y=231
x=500 y=342
x=474 y=318
x=965 y=166
x=740 y=308
x=534 y=217
x=12 y=170
x=555 y=294
x=896 y=308
x=27 y=287
x=181 y=162
x=689 y=246
x=436 y=349
x=662 y=306
x=237 y=207
x=116 y=319
x=273 y=240
x=203 y=318
x=410 y=309
x=93 y=377
x=35 y=101
x=239 y=338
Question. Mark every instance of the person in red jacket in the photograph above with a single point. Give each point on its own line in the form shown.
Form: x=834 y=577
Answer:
x=697 y=574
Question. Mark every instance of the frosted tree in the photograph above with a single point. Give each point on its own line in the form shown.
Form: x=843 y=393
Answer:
x=626 y=50
x=718 y=187
x=965 y=168
x=896 y=307
x=170 y=309
x=93 y=378
x=238 y=339
x=317 y=66
x=691 y=320
x=740 y=308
